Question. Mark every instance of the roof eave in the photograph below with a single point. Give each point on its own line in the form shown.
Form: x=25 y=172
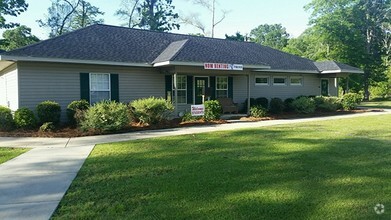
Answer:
x=342 y=71
x=75 y=61
x=286 y=71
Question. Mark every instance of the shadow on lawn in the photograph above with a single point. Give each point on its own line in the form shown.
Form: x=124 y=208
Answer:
x=246 y=174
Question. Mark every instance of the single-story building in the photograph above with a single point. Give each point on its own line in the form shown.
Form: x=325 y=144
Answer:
x=108 y=62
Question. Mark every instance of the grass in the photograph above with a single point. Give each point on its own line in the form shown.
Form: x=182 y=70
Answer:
x=9 y=153
x=380 y=104
x=320 y=170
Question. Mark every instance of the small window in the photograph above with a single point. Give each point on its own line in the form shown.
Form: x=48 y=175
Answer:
x=222 y=87
x=262 y=80
x=279 y=81
x=296 y=81
x=182 y=89
x=99 y=87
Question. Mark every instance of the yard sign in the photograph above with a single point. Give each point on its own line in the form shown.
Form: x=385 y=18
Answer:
x=197 y=110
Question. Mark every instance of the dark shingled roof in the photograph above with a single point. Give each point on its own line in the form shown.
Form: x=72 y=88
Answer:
x=126 y=45
x=335 y=66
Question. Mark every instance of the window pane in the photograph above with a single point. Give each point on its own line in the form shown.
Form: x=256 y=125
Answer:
x=279 y=80
x=222 y=82
x=99 y=96
x=182 y=96
x=181 y=82
x=262 y=80
x=100 y=82
x=222 y=93
x=296 y=81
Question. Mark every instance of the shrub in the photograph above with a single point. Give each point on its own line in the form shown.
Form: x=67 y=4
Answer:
x=49 y=111
x=106 y=116
x=25 y=118
x=350 y=101
x=151 y=110
x=262 y=101
x=74 y=106
x=304 y=105
x=47 y=127
x=319 y=100
x=276 y=106
x=258 y=111
x=213 y=110
x=187 y=117
x=330 y=104
x=288 y=105
x=6 y=121
x=252 y=103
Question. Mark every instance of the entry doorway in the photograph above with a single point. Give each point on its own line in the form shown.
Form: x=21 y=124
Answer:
x=201 y=86
x=324 y=86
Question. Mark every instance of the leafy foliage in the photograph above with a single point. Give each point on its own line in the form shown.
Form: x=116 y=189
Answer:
x=274 y=35
x=351 y=100
x=67 y=15
x=25 y=118
x=106 y=116
x=304 y=105
x=258 y=111
x=6 y=121
x=158 y=15
x=11 y=8
x=73 y=107
x=288 y=105
x=151 y=110
x=262 y=101
x=276 y=106
x=18 y=37
x=327 y=104
x=187 y=117
x=213 y=110
x=237 y=37
x=47 y=127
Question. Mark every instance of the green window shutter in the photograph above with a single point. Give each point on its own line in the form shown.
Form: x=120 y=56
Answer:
x=213 y=87
x=168 y=87
x=189 y=89
x=230 y=87
x=85 y=86
x=114 y=86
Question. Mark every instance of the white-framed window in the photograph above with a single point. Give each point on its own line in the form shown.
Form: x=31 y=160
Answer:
x=279 y=81
x=182 y=89
x=261 y=80
x=296 y=80
x=221 y=87
x=99 y=87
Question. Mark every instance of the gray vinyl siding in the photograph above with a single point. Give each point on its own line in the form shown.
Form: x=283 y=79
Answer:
x=9 y=88
x=61 y=83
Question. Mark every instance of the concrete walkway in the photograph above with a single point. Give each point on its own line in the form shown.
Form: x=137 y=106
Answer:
x=32 y=185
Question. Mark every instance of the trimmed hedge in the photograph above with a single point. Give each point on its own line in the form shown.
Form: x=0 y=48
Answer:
x=262 y=101
x=24 y=118
x=350 y=101
x=258 y=111
x=276 y=106
x=49 y=111
x=6 y=121
x=73 y=107
x=304 y=105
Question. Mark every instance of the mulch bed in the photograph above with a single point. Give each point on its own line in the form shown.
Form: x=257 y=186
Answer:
x=67 y=131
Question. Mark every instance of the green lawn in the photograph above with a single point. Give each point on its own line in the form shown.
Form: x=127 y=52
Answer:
x=320 y=170
x=9 y=153
x=382 y=104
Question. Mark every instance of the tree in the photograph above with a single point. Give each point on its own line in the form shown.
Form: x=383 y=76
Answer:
x=18 y=37
x=354 y=31
x=211 y=6
x=86 y=15
x=274 y=36
x=237 y=37
x=68 y=15
x=129 y=12
x=11 y=8
x=157 y=15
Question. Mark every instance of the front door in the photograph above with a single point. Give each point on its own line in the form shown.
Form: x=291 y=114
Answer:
x=201 y=84
x=324 y=84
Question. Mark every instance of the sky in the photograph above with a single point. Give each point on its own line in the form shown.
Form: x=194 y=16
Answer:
x=242 y=16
